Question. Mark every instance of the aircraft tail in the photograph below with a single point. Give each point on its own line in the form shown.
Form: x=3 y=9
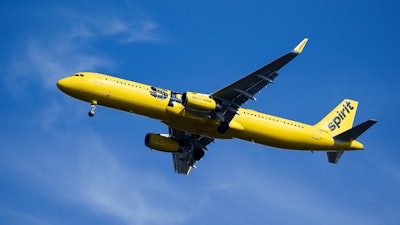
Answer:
x=340 y=119
x=340 y=123
x=349 y=135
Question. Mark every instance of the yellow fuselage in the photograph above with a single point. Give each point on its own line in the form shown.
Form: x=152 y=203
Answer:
x=158 y=103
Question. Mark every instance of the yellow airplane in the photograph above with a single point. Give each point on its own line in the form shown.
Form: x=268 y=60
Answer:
x=196 y=119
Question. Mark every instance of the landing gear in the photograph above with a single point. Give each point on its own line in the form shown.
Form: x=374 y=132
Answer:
x=223 y=127
x=198 y=154
x=92 y=111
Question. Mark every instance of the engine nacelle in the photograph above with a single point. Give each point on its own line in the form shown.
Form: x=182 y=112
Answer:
x=161 y=143
x=193 y=100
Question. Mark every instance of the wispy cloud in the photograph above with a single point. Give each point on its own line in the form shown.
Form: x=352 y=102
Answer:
x=124 y=31
x=87 y=174
x=133 y=196
x=44 y=57
x=280 y=197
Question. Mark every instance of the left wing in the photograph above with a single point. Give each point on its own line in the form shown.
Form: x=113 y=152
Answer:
x=234 y=95
x=191 y=151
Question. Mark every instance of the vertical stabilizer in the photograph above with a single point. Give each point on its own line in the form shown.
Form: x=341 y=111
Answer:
x=340 y=119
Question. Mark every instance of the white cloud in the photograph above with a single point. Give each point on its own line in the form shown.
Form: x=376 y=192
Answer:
x=143 y=32
x=87 y=174
x=123 y=31
x=122 y=28
x=44 y=57
x=134 y=196
x=280 y=198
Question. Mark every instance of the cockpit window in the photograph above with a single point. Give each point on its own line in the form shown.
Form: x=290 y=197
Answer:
x=78 y=75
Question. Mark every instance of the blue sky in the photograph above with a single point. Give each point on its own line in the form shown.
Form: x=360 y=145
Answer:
x=58 y=166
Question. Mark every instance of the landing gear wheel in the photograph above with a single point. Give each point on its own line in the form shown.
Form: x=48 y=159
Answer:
x=198 y=154
x=92 y=111
x=223 y=127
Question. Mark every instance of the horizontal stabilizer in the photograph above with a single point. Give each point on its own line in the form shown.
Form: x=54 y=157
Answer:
x=333 y=157
x=355 y=132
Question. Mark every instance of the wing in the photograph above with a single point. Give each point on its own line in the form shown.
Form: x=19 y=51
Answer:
x=191 y=151
x=234 y=95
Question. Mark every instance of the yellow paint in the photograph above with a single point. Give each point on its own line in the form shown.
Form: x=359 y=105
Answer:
x=161 y=143
x=248 y=124
x=299 y=47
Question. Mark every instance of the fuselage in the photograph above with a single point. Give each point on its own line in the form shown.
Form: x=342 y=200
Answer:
x=166 y=106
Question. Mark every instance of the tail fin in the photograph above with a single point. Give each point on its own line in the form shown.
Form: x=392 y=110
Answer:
x=339 y=122
x=340 y=119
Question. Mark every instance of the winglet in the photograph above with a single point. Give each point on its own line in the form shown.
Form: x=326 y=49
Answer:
x=299 y=47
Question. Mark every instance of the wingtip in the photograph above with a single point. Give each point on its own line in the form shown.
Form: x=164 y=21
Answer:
x=300 y=46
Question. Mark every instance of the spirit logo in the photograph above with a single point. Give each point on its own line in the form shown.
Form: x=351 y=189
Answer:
x=341 y=115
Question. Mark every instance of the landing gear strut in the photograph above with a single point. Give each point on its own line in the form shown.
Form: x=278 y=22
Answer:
x=92 y=111
x=223 y=127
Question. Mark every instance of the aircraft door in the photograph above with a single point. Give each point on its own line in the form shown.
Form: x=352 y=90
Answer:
x=316 y=133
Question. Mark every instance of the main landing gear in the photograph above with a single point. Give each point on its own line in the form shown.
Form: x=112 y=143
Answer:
x=198 y=154
x=223 y=127
x=92 y=111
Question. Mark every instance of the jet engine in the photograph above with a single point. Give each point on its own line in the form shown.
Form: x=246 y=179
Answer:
x=161 y=142
x=196 y=101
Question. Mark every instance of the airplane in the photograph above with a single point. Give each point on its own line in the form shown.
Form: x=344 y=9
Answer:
x=196 y=119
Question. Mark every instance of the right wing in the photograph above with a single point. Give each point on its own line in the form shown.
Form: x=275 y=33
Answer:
x=234 y=95
x=192 y=150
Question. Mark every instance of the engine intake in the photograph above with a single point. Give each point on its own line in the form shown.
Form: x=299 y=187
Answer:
x=161 y=142
x=196 y=101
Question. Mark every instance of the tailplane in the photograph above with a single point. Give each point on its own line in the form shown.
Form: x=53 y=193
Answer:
x=355 y=132
x=339 y=123
x=349 y=135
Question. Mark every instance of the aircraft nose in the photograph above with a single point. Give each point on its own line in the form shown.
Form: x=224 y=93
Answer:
x=63 y=84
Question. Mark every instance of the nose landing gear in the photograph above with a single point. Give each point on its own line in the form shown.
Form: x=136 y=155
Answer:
x=92 y=111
